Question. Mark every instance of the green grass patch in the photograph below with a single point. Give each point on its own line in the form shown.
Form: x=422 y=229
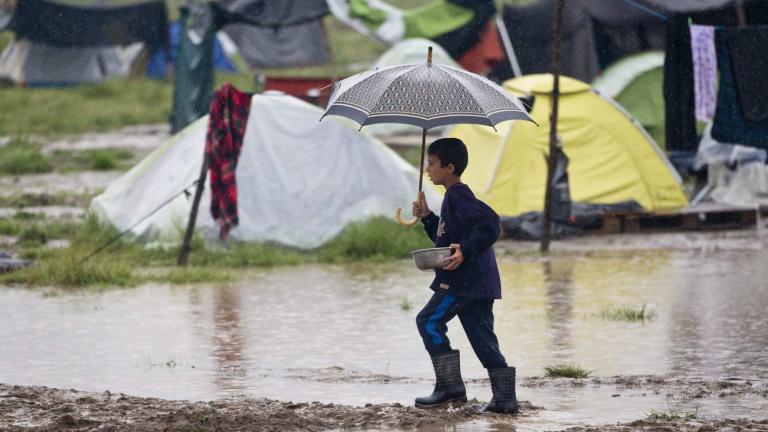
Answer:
x=127 y=263
x=378 y=239
x=66 y=271
x=654 y=415
x=21 y=156
x=405 y=305
x=190 y=275
x=24 y=199
x=567 y=371
x=627 y=313
x=108 y=105
x=91 y=160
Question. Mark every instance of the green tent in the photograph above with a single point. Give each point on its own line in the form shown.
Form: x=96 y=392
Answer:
x=636 y=83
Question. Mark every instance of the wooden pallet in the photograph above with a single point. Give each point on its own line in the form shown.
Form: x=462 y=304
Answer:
x=709 y=218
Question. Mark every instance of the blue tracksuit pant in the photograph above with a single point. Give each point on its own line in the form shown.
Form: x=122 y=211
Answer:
x=476 y=316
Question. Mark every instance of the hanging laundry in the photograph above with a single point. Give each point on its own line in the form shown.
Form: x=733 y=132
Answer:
x=731 y=124
x=61 y=25
x=289 y=32
x=749 y=48
x=456 y=25
x=223 y=141
x=704 y=71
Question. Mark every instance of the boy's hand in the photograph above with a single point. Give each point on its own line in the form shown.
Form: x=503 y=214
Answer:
x=455 y=260
x=420 y=207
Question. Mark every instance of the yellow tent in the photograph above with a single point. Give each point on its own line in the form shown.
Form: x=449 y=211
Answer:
x=612 y=158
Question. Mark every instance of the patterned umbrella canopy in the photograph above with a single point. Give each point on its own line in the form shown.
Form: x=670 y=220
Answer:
x=424 y=95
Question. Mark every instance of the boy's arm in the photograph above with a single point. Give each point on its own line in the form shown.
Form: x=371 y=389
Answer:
x=484 y=227
x=430 y=222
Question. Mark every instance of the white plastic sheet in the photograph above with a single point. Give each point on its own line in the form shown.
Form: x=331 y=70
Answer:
x=300 y=181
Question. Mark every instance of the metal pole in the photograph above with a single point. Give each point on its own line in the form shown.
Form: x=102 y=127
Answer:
x=552 y=160
x=507 y=42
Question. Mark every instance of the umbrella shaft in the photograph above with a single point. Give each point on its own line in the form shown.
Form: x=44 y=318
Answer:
x=421 y=165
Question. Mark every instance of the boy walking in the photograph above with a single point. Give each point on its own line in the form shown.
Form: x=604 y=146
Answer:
x=466 y=286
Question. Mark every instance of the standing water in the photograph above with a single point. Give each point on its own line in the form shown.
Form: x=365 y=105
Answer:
x=346 y=334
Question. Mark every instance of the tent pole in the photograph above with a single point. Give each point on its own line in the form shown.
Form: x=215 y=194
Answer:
x=501 y=27
x=552 y=160
x=185 y=248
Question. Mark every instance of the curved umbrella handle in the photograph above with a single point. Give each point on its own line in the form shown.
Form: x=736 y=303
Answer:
x=402 y=222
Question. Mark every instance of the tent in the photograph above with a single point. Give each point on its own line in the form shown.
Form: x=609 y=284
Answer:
x=300 y=181
x=636 y=83
x=24 y=62
x=414 y=50
x=64 y=44
x=612 y=159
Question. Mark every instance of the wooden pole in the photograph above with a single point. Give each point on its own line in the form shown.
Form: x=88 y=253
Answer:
x=421 y=165
x=552 y=160
x=185 y=248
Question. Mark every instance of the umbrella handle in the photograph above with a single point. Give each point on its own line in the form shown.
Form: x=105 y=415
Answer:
x=420 y=198
x=402 y=222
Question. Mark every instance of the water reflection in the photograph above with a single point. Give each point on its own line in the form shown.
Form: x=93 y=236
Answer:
x=228 y=340
x=558 y=281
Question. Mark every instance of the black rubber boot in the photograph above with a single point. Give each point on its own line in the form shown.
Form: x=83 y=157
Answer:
x=449 y=387
x=504 y=400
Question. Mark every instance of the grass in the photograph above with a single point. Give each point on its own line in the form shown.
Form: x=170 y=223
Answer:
x=25 y=199
x=109 y=105
x=21 y=156
x=627 y=313
x=654 y=415
x=126 y=263
x=405 y=305
x=91 y=160
x=566 y=371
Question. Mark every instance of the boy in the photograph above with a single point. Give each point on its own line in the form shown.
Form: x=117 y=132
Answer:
x=466 y=286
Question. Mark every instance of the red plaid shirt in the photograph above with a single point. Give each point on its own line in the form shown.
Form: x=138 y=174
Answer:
x=226 y=127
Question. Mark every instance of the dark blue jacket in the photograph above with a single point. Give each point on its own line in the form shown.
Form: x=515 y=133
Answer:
x=466 y=220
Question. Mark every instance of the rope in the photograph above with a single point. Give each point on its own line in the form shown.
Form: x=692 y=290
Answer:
x=117 y=237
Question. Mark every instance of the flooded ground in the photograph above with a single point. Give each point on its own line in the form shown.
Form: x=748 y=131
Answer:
x=346 y=335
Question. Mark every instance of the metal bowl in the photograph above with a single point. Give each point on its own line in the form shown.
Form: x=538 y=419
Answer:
x=432 y=258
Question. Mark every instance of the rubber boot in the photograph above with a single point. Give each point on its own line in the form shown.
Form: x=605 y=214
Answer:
x=504 y=400
x=449 y=387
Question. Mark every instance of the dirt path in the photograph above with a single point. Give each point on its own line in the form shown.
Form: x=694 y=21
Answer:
x=25 y=408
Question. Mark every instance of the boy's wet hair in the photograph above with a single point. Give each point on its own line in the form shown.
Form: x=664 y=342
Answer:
x=450 y=151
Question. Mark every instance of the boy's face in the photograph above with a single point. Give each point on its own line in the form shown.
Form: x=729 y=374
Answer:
x=436 y=172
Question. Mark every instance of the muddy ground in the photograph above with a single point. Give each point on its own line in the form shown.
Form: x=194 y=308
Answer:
x=26 y=408
x=45 y=409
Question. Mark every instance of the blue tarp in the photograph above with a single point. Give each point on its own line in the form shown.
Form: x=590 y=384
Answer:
x=157 y=66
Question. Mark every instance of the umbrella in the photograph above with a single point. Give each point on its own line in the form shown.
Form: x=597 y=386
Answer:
x=423 y=95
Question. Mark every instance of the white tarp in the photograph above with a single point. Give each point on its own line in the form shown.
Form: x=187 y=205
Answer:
x=300 y=181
